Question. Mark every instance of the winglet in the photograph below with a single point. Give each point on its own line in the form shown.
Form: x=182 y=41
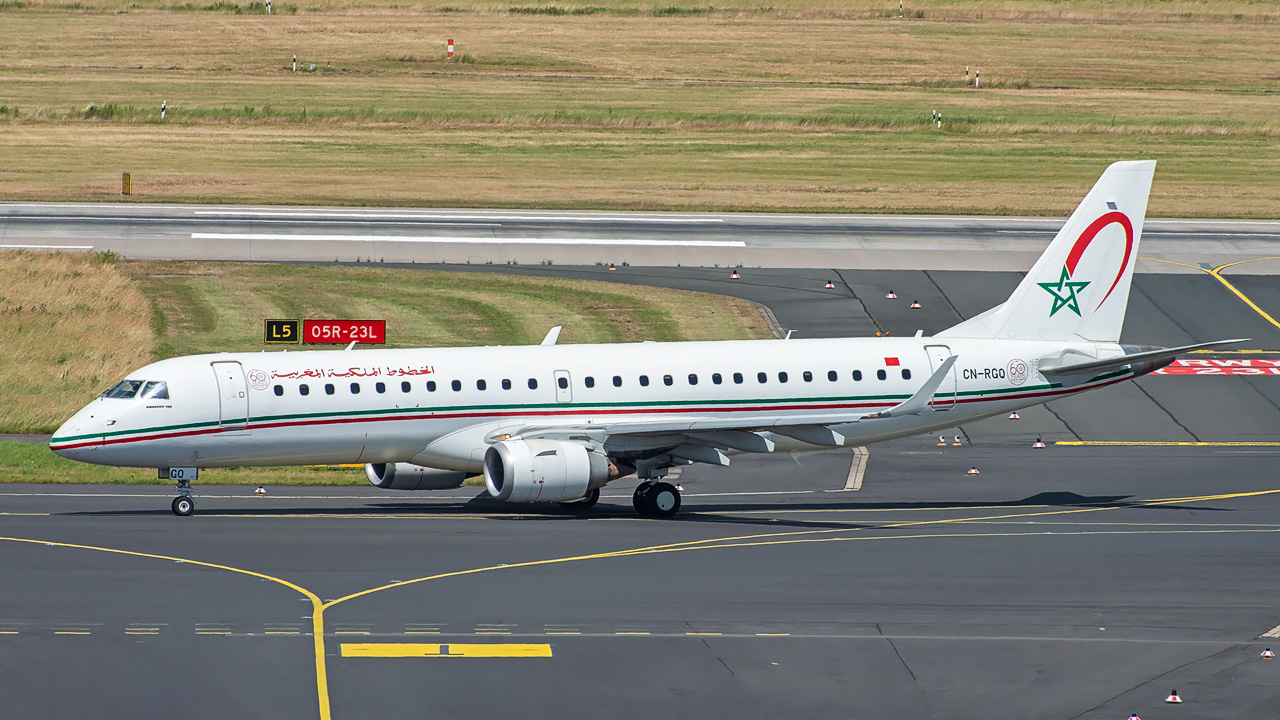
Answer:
x=552 y=335
x=918 y=402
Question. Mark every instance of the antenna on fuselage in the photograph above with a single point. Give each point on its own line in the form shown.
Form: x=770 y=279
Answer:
x=353 y=344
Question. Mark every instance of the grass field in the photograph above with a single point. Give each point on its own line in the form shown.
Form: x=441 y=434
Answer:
x=76 y=324
x=794 y=106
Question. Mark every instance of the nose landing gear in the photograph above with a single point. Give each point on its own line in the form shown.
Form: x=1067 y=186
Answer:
x=185 y=503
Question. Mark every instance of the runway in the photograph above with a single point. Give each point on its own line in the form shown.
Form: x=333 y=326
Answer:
x=1132 y=556
x=880 y=242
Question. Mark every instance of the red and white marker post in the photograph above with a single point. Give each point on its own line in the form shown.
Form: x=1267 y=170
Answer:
x=450 y=50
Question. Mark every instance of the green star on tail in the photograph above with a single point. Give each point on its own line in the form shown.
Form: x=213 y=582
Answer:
x=1064 y=293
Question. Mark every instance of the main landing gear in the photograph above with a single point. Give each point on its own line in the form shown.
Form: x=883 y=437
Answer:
x=185 y=503
x=656 y=499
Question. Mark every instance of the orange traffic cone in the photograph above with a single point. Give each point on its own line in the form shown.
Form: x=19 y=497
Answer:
x=1173 y=697
x=972 y=471
x=1013 y=415
x=734 y=275
x=260 y=491
x=1268 y=655
x=890 y=296
x=831 y=285
x=915 y=304
x=1039 y=443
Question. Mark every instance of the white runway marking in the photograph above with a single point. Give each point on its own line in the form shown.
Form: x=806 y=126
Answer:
x=47 y=247
x=435 y=216
x=456 y=240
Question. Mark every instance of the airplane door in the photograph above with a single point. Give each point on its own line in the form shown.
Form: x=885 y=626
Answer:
x=945 y=398
x=564 y=386
x=233 y=395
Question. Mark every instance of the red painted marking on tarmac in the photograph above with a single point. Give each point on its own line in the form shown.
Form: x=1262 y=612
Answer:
x=1250 y=367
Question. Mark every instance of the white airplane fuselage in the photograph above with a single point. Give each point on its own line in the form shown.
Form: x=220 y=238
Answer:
x=387 y=406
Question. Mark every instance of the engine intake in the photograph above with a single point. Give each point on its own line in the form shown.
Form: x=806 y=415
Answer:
x=407 y=476
x=544 y=470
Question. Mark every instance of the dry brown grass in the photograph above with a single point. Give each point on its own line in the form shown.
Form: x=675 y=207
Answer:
x=68 y=324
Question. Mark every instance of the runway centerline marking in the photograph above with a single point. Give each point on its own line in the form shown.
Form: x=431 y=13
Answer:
x=763 y=539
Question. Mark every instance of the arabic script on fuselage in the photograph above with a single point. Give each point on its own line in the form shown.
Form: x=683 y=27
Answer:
x=360 y=372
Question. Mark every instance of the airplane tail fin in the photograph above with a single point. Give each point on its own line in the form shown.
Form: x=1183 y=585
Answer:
x=1079 y=288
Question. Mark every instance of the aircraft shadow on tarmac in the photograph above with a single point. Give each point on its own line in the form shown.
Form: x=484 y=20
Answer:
x=718 y=513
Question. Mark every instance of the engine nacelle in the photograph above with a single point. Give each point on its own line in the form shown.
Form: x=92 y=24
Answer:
x=544 y=470
x=407 y=476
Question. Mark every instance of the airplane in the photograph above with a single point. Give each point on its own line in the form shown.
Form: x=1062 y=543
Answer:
x=555 y=423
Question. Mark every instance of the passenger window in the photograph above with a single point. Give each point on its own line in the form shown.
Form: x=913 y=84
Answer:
x=155 y=391
x=644 y=381
x=666 y=380
x=808 y=376
x=278 y=390
x=328 y=388
x=715 y=378
x=880 y=374
x=405 y=386
x=737 y=378
x=533 y=384
x=589 y=382
x=617 y=381
x=693 y=379
x=124 y=389
x=563 y=382
x=506 y=384
x=355 y=388
x=762 y=378
x=782 y=377
x=456 y=385
x=380 y=387
x=481 y=385
x=431 y=386
x=831 y=375
x=857 y=375
x=906 y=374
x=304 y=390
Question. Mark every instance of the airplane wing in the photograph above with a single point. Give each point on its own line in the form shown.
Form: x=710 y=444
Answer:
x=699 y=438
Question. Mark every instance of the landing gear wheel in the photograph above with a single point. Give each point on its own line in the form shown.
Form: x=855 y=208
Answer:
x=638 y=498
x=662 y=500
x=586 y=501
x=183 y=506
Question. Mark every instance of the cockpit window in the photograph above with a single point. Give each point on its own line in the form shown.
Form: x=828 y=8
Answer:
x=155 y=391
x=124 y=389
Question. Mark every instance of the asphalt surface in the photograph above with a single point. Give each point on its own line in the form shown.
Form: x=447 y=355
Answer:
x=1074 y=581
x=1058 y=583
x=273 y=233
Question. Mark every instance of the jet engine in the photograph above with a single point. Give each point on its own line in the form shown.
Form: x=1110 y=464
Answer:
x=544 y=470
x=406 y=476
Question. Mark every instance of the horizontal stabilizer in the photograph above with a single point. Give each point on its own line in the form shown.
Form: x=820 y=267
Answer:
x=1157 y=358
x=915 y=404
